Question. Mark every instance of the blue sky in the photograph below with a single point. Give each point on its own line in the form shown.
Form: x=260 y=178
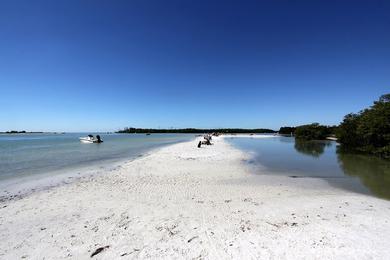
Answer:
x=105 y=65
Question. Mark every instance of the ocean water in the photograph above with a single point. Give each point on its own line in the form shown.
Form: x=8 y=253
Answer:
x=318 y=159
x=26 y=155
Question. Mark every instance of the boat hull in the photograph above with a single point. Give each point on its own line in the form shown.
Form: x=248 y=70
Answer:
x=86 y=141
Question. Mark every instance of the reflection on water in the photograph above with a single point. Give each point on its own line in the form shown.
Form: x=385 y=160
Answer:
x=312 y=148
x=319 y=159
x=373 y=172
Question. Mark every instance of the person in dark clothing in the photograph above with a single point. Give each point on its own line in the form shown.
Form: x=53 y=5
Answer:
x=98 y=139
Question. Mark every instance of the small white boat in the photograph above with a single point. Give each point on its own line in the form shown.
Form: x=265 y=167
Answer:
x=90 y=139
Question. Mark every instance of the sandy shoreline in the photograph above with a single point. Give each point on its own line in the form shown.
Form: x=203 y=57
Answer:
x=184 y=202
x=19 y=187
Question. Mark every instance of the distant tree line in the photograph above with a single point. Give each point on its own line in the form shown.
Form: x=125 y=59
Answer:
x=287 y=130
x=132 y=130
x=19 y=132
x=314 y=131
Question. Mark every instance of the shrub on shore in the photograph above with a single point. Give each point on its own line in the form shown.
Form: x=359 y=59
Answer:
x=369 y=130
x=286 y=130
x=313 y=131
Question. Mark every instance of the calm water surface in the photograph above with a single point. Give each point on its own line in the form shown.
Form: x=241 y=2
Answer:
x=319 y=159
x=32 y=154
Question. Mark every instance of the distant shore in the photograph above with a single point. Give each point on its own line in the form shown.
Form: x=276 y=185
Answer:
x=133 y=130
x=20 y=132
x=26 y=132
x=181 y=201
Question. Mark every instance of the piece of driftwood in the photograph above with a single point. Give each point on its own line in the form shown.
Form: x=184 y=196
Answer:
x=99 y=250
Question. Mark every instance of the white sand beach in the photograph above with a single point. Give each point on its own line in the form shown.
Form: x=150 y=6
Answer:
x=181 y=202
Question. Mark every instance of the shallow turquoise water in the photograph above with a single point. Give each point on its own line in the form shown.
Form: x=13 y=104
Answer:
x=318 y=159
x=32 y=154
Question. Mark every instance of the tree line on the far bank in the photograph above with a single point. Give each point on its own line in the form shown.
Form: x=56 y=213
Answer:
x=367 y=131
x=133 y=130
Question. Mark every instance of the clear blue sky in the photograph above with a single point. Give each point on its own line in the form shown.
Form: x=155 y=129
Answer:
x=103 y=65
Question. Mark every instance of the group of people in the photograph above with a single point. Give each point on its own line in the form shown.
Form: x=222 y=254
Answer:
x=207 y=140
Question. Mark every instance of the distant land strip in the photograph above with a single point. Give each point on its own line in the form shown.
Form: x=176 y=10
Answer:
x=132 y=130
x=20 y=132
